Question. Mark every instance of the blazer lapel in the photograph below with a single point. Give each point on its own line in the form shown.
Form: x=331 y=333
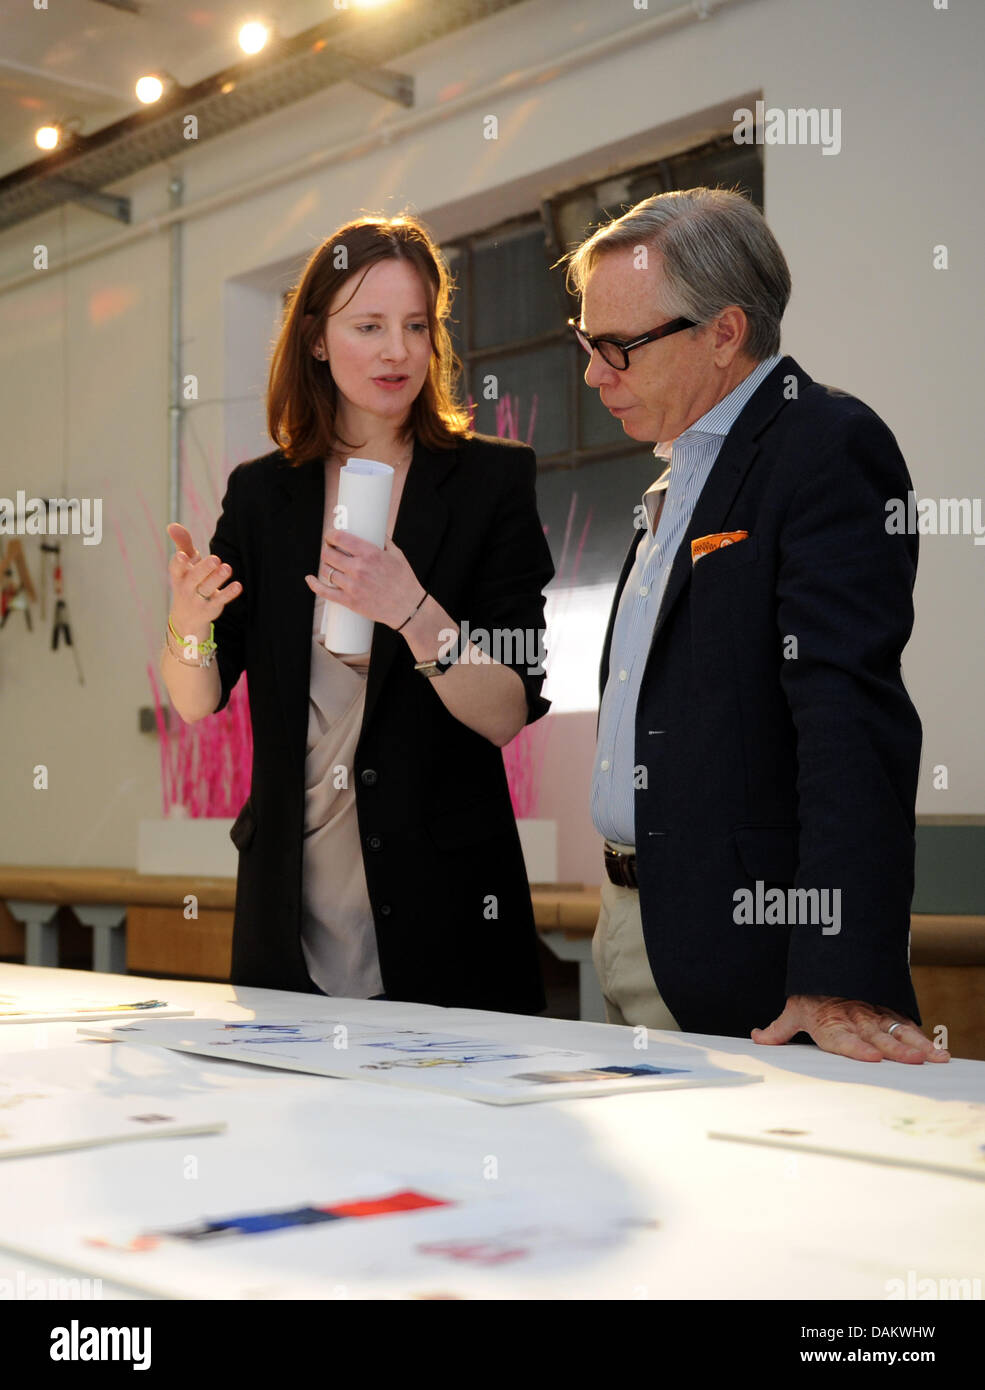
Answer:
x=736 y=457
x=294 y=543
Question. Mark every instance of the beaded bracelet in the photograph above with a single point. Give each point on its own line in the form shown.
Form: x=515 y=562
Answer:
x=205 y=651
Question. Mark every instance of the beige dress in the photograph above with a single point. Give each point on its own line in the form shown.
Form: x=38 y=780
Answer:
x=338 y=936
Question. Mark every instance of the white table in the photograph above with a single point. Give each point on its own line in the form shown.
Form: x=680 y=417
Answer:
x=736 y=1220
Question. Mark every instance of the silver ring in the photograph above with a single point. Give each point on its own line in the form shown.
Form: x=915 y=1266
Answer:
x=893 y=1028
x=201 y=595
x=330 y=580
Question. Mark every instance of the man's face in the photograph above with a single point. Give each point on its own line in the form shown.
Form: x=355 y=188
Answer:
x=669 y=383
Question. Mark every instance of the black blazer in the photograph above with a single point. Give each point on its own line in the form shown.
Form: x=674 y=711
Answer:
x=790 y=770
x=446 y=879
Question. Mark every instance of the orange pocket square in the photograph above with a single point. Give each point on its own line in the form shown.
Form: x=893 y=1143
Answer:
x=705 y=544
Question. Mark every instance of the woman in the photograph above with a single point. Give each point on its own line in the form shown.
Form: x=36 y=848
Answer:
x=378 y=850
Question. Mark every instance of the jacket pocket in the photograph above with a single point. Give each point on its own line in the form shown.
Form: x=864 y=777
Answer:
x=470 y=825
x=768 y=852
x=243 y=828
x=727 y=557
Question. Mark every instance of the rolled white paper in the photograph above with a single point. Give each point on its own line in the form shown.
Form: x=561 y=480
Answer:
x=365 y=486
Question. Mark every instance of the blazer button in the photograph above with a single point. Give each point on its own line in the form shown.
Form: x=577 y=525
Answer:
x=368 y=777
x=385 y=909
x=374 y=842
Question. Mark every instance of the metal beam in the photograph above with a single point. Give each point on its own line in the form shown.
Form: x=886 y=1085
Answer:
x=348 y=47
x=109 y=204
x=396 y=86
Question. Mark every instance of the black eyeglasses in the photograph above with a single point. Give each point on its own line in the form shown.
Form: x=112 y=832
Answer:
x=616 y=352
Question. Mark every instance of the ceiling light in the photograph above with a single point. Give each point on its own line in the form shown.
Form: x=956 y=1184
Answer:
x=149 y=88
x=253 y=36
x=47 y=137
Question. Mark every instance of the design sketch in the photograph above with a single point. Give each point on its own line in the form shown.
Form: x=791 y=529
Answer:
x=259 y=1222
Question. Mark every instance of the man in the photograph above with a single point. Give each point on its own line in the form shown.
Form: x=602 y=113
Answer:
x=757 y=753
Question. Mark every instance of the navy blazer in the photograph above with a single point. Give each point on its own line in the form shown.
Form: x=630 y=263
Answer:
x=444 y=868
x=787 y=764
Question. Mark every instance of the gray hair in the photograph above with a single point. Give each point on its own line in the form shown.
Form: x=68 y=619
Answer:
x=717 y=250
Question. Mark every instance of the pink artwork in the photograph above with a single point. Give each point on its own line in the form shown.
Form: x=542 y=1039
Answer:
x=524 y=756
x=205 y=767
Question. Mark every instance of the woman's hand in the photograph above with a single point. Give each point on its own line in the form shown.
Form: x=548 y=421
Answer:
x=377 y=584
x=197 y=599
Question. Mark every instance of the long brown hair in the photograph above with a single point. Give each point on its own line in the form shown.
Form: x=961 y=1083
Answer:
x=302 y=398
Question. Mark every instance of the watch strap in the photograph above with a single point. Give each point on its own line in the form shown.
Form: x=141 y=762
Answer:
x=438 y=665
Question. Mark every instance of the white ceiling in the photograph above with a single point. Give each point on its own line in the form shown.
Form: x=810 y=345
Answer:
x=82 y=57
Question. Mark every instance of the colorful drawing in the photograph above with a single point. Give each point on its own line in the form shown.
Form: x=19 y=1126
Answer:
x=423 y=1042
x=25 y=1010
x=264 y=1027
x=257 y=1223
x=597 y=1074
x=466 y=1060
x=11 y=1006
x=524 y=1242
x=479 y=1068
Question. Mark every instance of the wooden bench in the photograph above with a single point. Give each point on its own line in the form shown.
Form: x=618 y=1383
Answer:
x=181 y=926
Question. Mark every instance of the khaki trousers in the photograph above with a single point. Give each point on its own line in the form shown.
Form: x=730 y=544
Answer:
x=619 y=955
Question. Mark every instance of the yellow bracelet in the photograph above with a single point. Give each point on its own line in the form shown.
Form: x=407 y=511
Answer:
x=205 y=651
x=180 y=659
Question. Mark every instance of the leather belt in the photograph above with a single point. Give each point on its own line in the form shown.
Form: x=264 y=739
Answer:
x=621 y=868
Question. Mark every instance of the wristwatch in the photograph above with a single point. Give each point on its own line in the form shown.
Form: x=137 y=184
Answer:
x=438 y=665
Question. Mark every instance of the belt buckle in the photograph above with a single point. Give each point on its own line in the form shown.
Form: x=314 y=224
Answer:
x=623 y=866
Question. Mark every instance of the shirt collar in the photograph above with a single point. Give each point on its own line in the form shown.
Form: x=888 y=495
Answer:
x=716 y=422
x=651 y=497
x=713 y=425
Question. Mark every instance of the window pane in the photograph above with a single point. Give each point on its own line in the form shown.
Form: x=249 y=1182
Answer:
x=457 y=319
x=603 y=494
x=535 y=380
x=515 y=294
x=727 y=166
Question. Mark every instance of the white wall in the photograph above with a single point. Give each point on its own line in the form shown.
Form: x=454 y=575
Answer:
x=868 y=314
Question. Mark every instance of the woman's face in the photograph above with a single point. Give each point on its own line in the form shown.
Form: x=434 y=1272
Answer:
x=382 y=332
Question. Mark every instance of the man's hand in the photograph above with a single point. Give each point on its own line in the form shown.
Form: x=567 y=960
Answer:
x=852 y=1029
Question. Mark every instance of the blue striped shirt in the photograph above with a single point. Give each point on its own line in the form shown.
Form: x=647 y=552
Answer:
x=692 y=457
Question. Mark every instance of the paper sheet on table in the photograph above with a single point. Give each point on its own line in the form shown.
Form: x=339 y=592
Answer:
x=365 y=486
x=878 y=1126
x=496 y=1072
x=37 y=1118
x=382 y=1235
x=18 y=1009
